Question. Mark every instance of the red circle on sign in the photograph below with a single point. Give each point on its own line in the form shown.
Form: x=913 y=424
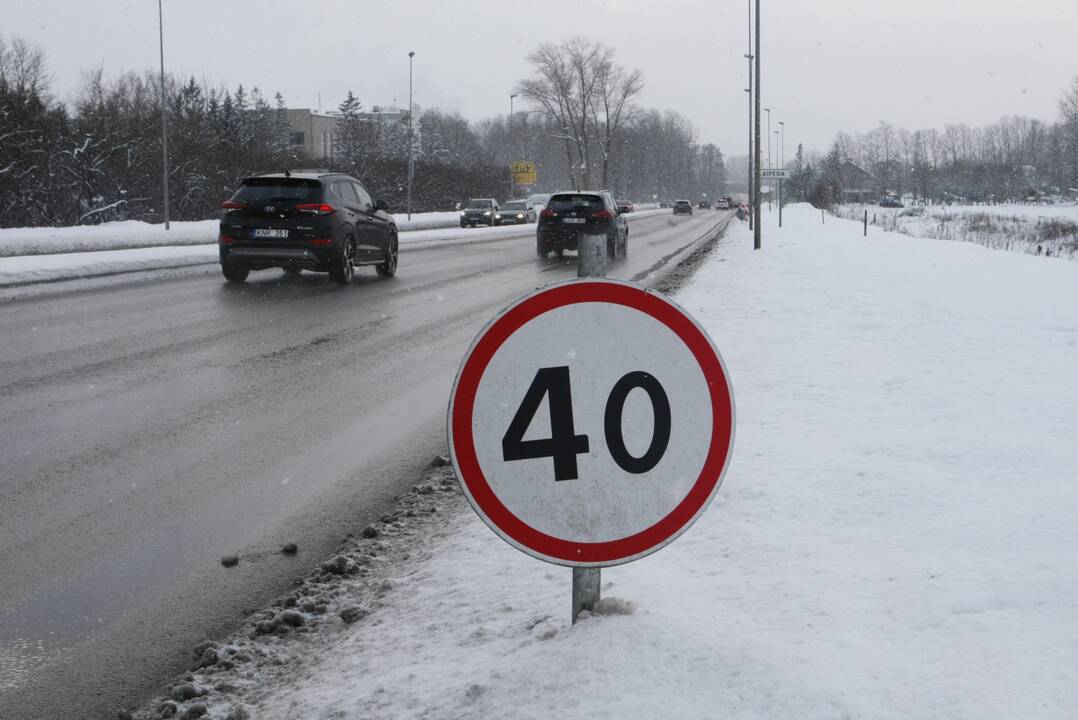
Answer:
x=462 y=406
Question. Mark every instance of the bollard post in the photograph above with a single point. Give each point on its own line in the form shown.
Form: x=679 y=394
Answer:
x=591 y=256
x=821 y=217
x=866 y=223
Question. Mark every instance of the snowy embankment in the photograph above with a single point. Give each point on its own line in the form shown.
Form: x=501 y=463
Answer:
x=894 y=538
x=1051 y=230
x=136 y=234
x=141 y=246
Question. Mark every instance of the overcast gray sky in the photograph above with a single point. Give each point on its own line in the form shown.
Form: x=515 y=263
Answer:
x=828 y=64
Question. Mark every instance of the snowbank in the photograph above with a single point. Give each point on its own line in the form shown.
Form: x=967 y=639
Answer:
x=136 y=234
x=27 y=269
x=894 y=539
x=107 y=236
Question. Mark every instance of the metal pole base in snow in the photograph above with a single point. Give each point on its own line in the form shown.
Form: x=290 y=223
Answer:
x=591 y=256
x=585 y=589
x=591 y=262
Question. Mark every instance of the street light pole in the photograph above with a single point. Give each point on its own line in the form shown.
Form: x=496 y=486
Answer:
x=756 y=151
x=769 y=166
x=768 y=111
x=782 y=162
x=749 y=91
x=164 y=127
x=411 y=144
x=512 y=181
x=782 y=144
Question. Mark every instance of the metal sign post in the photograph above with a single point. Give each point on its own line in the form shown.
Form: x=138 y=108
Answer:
x=590 y=425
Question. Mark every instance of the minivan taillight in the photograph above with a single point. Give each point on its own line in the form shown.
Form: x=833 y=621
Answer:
x=232 y=205
x=601 y=215
x=316 y=208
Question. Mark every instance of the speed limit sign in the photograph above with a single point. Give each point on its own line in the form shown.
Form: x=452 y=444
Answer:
x=591 y=422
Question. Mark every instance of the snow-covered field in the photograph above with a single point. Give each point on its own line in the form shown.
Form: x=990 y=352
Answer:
x=895 y=537
x=1035 y=229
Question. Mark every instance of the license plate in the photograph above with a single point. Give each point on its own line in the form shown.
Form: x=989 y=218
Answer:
x=270 y=233
x=574 y=220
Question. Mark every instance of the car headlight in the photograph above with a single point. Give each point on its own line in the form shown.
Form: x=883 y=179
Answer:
x=496 y=217
x=520 y=217
x=487 y=213
x=462 y=213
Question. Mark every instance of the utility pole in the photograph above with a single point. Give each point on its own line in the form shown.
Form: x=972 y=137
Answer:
x=756 y=154
x=770 y=187
x=749 y=91
x=512 y=181
x=411 y=144
x=782 y=162
x=164 y=126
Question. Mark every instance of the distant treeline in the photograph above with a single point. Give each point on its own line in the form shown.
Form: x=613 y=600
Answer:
x=99 y=157
x=1016 y=158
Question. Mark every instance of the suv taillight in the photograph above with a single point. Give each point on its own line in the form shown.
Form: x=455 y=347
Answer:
x=548 y=213
x=232 y=205
x=316 y=208
x=601 y=215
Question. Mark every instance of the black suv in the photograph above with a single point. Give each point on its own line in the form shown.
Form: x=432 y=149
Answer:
x=480 y=211
x=570 y=214
x=324 y=222
x=682 y=207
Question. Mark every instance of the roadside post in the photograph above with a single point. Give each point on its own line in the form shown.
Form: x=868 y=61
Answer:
x=866 y=223
x=778 y=176
x=590 y=424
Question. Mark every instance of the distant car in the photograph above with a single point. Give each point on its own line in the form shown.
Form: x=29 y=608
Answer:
x=572 y=214
x=665 y=205
x=624 y=206
x=704 y=205
x=538 y=201
x=722 y=204
x=515 y=212
x=891 y=202
x=682 y=207
x=325 y=222
x=479 y=211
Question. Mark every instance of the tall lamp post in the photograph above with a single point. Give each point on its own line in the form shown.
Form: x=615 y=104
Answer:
x=782 y=144
x=512 y=181
x=164 y=127
x=782 y=161
x=756 y=138
x=749 y=91
x=411 y=144
x=768 y=111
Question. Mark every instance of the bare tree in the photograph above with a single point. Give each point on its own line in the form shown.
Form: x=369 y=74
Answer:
x=587 y=95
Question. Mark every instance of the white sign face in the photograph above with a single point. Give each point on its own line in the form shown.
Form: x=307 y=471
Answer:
x=775 y=174
x=591 y=423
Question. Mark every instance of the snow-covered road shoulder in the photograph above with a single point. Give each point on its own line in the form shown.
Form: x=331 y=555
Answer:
x=894 y=538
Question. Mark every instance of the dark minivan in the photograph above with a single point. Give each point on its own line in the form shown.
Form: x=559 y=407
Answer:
x=571 y=214
x=325 y=222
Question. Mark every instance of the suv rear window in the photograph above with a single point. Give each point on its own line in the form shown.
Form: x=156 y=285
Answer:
x=260 y=190
x=576 y=202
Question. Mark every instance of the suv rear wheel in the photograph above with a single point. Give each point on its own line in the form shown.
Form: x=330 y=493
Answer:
x=344 y=268
x=234 y=273
x=540 y=249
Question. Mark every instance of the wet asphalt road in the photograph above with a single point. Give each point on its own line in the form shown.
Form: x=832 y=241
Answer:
x=151 y=427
